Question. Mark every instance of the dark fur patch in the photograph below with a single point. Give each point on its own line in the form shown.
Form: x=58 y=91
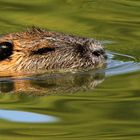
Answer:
x=42 y=51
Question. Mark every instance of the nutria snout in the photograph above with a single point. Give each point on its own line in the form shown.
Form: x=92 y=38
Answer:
x=40 y=49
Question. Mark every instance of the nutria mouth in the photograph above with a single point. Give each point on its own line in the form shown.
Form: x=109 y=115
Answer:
x=40 y=49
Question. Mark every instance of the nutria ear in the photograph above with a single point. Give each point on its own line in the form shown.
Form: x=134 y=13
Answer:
x=6 y=49
x=41 y=48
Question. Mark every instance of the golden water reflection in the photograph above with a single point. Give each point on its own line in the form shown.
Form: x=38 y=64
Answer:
x=53 y=83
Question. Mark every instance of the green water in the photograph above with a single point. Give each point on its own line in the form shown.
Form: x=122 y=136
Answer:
x=86 y=105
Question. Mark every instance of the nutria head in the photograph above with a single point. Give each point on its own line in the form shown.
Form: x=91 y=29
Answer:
x=38 y=49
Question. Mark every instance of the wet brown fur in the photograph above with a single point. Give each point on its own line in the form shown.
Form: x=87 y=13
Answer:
x=40 y=49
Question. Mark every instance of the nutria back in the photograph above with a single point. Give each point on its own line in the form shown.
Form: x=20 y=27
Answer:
x=40 y=49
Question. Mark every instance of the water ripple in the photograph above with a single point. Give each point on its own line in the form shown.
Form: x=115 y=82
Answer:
x=121 y=64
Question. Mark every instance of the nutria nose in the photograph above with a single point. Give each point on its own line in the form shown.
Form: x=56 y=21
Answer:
x=99 y=52
x=96 y=48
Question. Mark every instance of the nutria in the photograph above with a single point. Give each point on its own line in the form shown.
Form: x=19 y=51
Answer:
x=41 y=49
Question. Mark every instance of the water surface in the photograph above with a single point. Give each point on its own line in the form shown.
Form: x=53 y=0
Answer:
x=102 y=104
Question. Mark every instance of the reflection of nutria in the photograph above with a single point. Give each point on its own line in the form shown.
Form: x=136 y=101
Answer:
x=39 y=49
x=53 y=83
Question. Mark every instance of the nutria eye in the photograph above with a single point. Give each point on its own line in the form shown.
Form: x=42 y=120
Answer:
x=6 y=49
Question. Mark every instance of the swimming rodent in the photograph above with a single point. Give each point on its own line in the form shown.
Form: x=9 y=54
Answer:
x=40 y=49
